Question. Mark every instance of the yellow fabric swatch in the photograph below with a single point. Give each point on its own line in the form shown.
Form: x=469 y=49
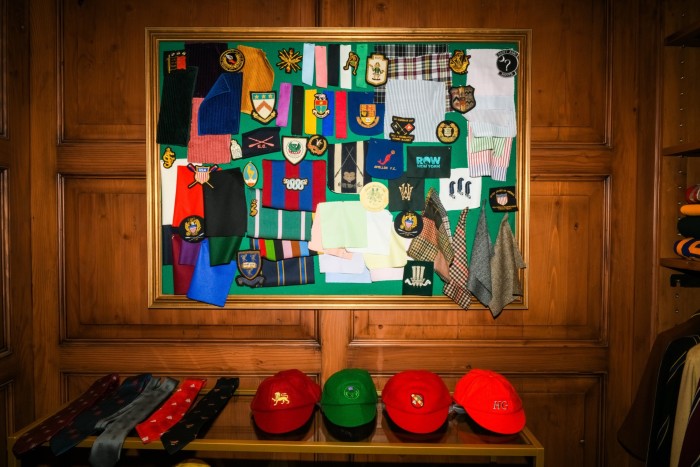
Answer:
x=309 y=117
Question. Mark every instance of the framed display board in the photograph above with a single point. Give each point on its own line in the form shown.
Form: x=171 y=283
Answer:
x=303 y=167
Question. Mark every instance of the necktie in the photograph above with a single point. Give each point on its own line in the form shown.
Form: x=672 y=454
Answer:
x=40 y=434
x=203 y=413
x=84 y=424
x=107 y=448
x=456 y=289
x=170 y=412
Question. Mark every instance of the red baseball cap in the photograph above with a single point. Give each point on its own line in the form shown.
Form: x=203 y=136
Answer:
x=417 y=400
x=491 y=401
x=285 y=401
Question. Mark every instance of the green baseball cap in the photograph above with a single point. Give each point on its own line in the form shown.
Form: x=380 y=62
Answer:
x=349 y=398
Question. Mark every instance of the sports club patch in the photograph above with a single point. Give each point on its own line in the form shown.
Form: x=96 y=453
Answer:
x=460 y=190
x=402 y=129
x=364 y=116
x=408 y=224
x=447 y=131
x=249 y=264
x=292 y=187
x=459 y=62
x=353 y=61
x=236 y=150
x=418 y=278
x=317 y=145
x=377 y=66
x=289 y=60
x=321 y=109
x=263 y=106
x=384 y=159
x=406 y=193
x=232 y=60
x=250 y=174
x=503 y=199
x=462 y=98
x=374 y=196
x=168 y=158
x=260 y=141
x=428 y=161
x=191 y=229
x=507 y=63
x=294 y=148
x=201 y=174
x=346 y=167
x=176 y=60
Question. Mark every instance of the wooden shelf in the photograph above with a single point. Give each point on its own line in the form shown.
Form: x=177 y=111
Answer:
x=688 y=36
x=686 y=149
x=680 y=264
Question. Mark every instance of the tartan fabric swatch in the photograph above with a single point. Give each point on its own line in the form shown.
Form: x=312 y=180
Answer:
x=424 y=246
x=431 y=67
x=409 y=50
x=275 y=250
x=456 y=288
x=435 y=211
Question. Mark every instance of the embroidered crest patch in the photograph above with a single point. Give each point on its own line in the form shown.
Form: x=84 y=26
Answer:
x=249 y=264
x=507 y=63
x=447 y=132
x=503 y=199
x=459 y=62
x=377 y=66
x=403 y=128
x=250 y=174
x=232 y=60
x=289 y=60
x=294 y=148
x=191 y=229
x=263 y=106
x=320 y=109
x=462 y=98
x=408 y=224
x=317 y=145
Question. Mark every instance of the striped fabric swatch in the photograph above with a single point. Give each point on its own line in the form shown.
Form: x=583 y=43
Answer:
x=293 y=271
x=276 y=223
x=276 y=250
x=297 y=187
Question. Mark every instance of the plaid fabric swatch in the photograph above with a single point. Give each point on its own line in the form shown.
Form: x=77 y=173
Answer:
x=435 y=211
x=424 y=246
x=409 y=50
x=456 y=288
x=275 y=250
x=432 y=67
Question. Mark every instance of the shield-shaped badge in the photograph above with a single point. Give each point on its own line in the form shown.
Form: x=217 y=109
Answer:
x=294 y=148
x=250 y=174
x=263 y=106
x=462 y=98
x=377 y=66
x=320 y=109
x=249 y=263
x=368 y=116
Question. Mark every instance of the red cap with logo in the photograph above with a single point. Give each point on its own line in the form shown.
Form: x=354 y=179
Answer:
x=285 y=401
x=417 y=400
x=491 y=401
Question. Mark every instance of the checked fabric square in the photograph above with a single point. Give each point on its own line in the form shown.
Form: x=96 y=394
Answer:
x=456 y=288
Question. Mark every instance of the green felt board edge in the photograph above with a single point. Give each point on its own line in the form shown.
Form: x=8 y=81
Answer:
x=383 y=288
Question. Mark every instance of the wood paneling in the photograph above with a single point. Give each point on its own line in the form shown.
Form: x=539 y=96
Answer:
x=568 y=352
x=102 y=51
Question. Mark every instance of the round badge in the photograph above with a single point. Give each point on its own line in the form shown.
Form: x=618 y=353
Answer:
x=507 y=63
x=374 y=196
x=351 y=392
x=408 y=224
x=317 y=145
x=232 y=60
x=447 y=132
x=191 y=229
x=417 y=400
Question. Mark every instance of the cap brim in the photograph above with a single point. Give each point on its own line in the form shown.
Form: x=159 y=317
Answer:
x=504 y=424
x=350 y=415
x=424 y=423
x=283 y=421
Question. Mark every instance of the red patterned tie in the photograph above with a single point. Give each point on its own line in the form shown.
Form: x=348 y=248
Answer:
x=170 y=412
x=42 y=433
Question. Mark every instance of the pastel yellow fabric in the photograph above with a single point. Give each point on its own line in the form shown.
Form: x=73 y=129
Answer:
x=396 y=258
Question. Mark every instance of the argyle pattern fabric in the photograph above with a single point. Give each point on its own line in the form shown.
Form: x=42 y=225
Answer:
x=456 y=288
x=42 y=433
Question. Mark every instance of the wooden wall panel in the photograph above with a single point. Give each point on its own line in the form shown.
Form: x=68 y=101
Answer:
x=102 y=49
x=570 y=102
